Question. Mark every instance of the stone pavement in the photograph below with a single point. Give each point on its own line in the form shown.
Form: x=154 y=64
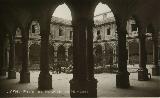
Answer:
x=106 y=86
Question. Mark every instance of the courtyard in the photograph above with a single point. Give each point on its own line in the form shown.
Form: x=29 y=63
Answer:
x=106 y=86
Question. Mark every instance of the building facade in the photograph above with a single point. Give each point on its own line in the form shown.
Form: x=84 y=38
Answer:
x=61 y=37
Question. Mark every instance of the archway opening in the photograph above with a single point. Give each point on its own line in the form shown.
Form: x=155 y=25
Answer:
x=34 y=45
x=18 y=49
x=104 y=34
x=61 y=35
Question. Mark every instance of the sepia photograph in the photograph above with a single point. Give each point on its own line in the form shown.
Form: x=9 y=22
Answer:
x=80 y=48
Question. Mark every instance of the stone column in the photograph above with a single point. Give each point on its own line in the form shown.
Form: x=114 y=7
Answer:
x=24 y=73
x=55 y=54
x=142 y=71
x=92 y=82
x=114 y=56
x=128 y=50
x=122 y=77
x=103 y=55
x=83 y=83
x=7 y=54
x=11 y=69
x=2 y=54
x=156 y=67
x=45 y=79
x=66 y=53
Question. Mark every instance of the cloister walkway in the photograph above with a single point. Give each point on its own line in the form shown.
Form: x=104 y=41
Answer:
x=106 y=86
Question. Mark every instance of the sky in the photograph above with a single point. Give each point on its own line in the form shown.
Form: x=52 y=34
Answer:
x=62 y=11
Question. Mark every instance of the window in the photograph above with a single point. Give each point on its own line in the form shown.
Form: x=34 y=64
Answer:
x=60 y=32
x=108 y=31
x=33 y=29
x=134 y=27
x=98 y=32
x=98 y=35
x=71 y=34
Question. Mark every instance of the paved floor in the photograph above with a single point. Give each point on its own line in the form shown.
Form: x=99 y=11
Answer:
x=106 y=86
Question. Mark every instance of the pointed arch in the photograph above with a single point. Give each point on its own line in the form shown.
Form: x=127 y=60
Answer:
x=62 y=11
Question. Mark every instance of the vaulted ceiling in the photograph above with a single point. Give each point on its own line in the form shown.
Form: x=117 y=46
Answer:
x=18 y=11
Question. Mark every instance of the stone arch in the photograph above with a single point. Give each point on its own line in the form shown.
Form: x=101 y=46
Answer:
x=58 y=4
x=34 y=27
x=106 y=4
x=104 y=25
x=132 y=26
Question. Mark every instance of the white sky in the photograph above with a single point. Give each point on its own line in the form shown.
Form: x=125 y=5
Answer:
x=101 y=8
x=62 y=11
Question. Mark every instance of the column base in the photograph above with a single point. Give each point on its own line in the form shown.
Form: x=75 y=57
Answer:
x=45 y=81
x=156 y=71
x=2 y=72
x=25 y=77
x=83 y=88
x=122 y=80
x=11 y=74
x=143 y=74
